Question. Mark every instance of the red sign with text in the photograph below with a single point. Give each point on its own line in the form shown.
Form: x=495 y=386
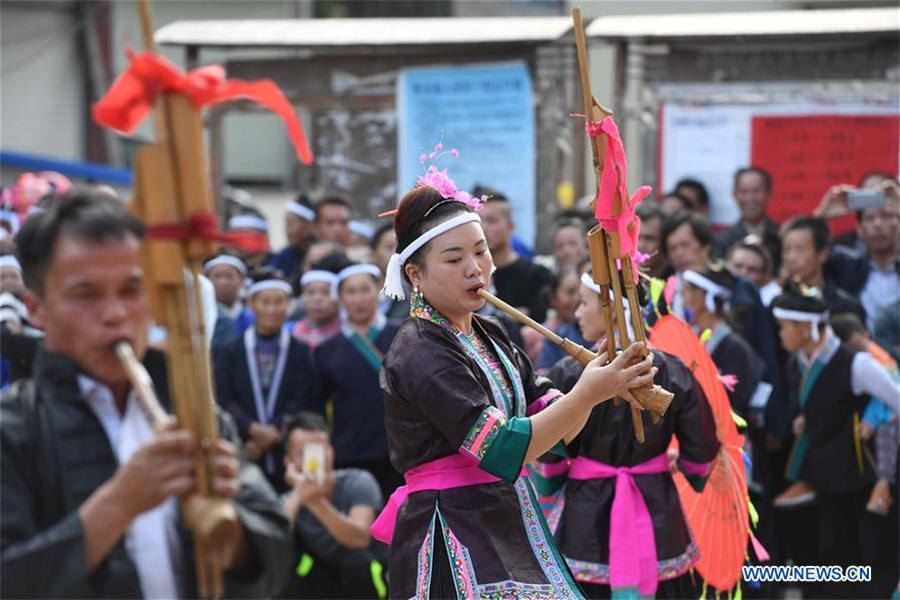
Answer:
x=808 y=154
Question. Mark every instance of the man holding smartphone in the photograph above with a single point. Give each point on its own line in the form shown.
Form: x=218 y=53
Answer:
x=874 y=273
x=330 y=513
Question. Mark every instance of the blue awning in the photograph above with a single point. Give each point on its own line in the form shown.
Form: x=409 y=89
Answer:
x=82 y=170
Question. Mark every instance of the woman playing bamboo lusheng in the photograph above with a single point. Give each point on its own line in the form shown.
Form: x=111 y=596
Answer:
x=621 y=525
x=464 y=411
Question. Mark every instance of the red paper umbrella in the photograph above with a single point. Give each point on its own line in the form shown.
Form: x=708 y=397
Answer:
x=718 y=516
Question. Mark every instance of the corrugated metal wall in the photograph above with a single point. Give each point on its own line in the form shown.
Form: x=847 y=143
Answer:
x=41 y=79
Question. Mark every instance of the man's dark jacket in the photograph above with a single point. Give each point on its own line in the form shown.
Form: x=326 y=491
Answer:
x=55 y=453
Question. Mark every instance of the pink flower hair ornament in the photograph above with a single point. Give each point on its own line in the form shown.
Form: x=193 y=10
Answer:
x=440 y=181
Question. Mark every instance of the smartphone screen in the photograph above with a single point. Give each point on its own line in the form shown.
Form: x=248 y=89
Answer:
x=864 y=198
x=314 y=460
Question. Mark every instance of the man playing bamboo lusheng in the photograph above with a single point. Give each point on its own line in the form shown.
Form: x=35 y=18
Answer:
x=89 y=489
x=464 y=411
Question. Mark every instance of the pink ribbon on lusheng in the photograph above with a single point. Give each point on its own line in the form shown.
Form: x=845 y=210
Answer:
x=614 y=178
x=615 y=169
x=445 y=473
x=632 y=545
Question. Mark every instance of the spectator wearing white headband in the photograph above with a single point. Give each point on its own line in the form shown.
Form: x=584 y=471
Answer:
x=348 y=365
x=265 y=374
x=832 y=383
x=227 y=274
x=706 y=294
x=300 y=231
x=319 y=301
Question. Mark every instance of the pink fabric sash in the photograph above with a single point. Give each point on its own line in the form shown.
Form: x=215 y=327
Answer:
x=632 y=545
x=442 y=474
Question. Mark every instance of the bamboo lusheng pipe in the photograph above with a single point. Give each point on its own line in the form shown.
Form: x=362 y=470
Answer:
x=217 y=523
x=654 y=398
x=648 y=398
x=142 y=386
x=576 y=351
x=171 y=185
x=597 y=247
x=600 y=253
x=606 y=249
x=611 y=244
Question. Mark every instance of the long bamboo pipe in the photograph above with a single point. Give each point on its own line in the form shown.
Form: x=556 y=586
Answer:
x=655 y=399
x=214 y=522
x=142 y=386
x=576 y=351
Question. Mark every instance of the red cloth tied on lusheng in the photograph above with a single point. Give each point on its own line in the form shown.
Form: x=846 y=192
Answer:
x=206 y=226
x=131 y=96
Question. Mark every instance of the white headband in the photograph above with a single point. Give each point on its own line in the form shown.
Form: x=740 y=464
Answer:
x=805 y=317
x=304 y=212
x=270 y=284
x=9 y=260
x=248 y=222
x=393 y=282
x=588 y=282
x=352 y=270
x=225 y=259
x=712 y=289
x=362 y=229
x=318 y=275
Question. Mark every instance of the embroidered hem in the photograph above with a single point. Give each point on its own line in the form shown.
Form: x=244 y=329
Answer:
x=426 y=555
x=591 y=572
x=543 y=545
x=460 y=562
x=515 y=589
